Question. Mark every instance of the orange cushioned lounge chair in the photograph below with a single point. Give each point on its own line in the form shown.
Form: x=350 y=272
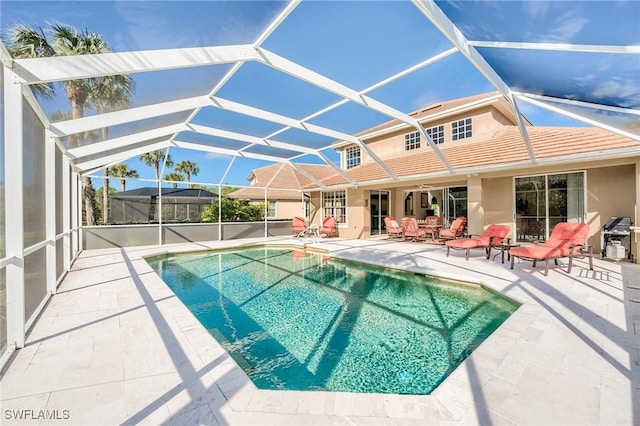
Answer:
x=328 y=226
x=393 y=228
x=456 y=229
x=566 y=240
x=298 y=226
x=411 y=229
x=491 y=237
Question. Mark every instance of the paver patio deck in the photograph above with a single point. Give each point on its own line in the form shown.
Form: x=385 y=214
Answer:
x=115 y=346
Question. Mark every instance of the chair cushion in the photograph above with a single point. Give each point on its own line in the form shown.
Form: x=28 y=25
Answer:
x=539 y=252
x=467 y=243
x=394 y=224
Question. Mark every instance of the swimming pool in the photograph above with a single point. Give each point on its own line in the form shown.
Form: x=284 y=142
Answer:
x=298 y=320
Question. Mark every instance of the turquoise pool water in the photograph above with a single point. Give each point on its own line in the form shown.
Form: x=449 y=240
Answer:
x=295 y=320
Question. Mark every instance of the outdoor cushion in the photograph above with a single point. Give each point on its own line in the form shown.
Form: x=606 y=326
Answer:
x=491 y=237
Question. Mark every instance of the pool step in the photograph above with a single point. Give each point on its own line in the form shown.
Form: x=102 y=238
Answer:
x=237 y=356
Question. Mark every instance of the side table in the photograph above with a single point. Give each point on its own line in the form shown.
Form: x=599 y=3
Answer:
x=504 y=247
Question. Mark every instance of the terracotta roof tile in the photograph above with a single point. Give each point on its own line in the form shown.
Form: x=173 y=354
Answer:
x=280 y=177
x=505 y=147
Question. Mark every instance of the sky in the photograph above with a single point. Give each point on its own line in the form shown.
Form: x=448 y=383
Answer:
x=357 y=44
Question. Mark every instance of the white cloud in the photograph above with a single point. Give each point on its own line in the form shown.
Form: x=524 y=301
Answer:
x=425 y=99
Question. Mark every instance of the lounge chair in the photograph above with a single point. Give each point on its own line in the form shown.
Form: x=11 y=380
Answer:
x=491 y=237
x=433 y=225
x=566 y=240
x=393 y=228
x=298 y=227
x=456 y=230
x=328 y=227
x=411 y=229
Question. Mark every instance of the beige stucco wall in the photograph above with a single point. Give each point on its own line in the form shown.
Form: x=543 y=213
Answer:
x=611 y=191
x=287 y=209
x=498 y=202
x=485 y=121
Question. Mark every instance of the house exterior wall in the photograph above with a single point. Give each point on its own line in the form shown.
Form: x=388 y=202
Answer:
x=485 y=122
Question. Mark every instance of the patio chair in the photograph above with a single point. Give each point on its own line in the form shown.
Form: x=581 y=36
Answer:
x=411 y=229
x=566 y=240
x=298 y=226
x=491 y=237
x=456 y=230
x=393 y=228
x=328 y=226
x=433 y=225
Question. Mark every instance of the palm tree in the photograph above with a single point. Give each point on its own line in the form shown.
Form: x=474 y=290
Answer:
x=154 y=159
x=26 y=42
x=175 y=177
x=122 y=171
x=109 y=94
x=188 y=168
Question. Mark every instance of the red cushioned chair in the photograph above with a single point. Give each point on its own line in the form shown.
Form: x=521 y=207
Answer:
x=566 y=240
x=411 y=228
x=456 y=229
x=491 y=237
x=298 y=226
x=393 y=228
x=433 y=225
x=328 y=227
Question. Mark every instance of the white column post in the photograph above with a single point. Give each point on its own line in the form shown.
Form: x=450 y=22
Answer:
x=66 y=213
x=76 y=212
x=14 y=219
x=266 y=212
x=50 y=209
x=219 y=212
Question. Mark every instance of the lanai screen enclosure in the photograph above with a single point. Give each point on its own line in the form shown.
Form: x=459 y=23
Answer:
x=279 y=82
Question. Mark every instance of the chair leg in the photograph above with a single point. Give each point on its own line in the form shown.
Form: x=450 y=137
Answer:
x=513 y=258
x=466 y=256
x=570 y=264
x=546 y=267
x=488 y=252
x=448 y=251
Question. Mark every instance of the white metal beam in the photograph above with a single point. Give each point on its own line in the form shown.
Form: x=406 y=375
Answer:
x=453 y=34
x=120 y=156
x=248 y=138
x=279 y=63
x=570 y=114
x=50 y=211
x=226 y=151
x=581 y=104
x=124 y=141
x=307 y=175
x=564 y=47
x=14 y=220
x=336 y=168
x=61 y=68
x=109 y=119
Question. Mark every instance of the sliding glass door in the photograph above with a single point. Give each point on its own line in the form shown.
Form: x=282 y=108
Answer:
x=379 y=202
x=543 y=201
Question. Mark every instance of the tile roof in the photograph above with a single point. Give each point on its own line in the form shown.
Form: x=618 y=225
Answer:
x=504 y=148
x=281 y=181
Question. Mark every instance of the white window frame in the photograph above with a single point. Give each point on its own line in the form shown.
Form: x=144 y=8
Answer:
x=411 y=141
x=438 y=131
x=352 y=157
x=333 y=207
x=462 y=129
x=269 y=209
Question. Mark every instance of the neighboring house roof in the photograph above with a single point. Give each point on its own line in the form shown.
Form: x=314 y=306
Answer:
x=282 y=180
x=505 y=149
x=152 y=191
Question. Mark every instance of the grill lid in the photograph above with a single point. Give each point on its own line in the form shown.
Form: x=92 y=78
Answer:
x=618 y=224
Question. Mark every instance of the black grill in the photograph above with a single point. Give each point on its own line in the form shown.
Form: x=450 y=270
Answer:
x=618 y=228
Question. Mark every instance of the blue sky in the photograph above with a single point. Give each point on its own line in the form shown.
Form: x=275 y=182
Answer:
x=355 y=43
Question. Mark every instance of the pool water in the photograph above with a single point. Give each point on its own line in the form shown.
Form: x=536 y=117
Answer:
x=297 y=320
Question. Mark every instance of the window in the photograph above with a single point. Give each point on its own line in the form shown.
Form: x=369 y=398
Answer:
x=461 y=129
x=437 y=134
x=271 y=209
x=335 y=204
x=411 y=141
x=352 y=157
